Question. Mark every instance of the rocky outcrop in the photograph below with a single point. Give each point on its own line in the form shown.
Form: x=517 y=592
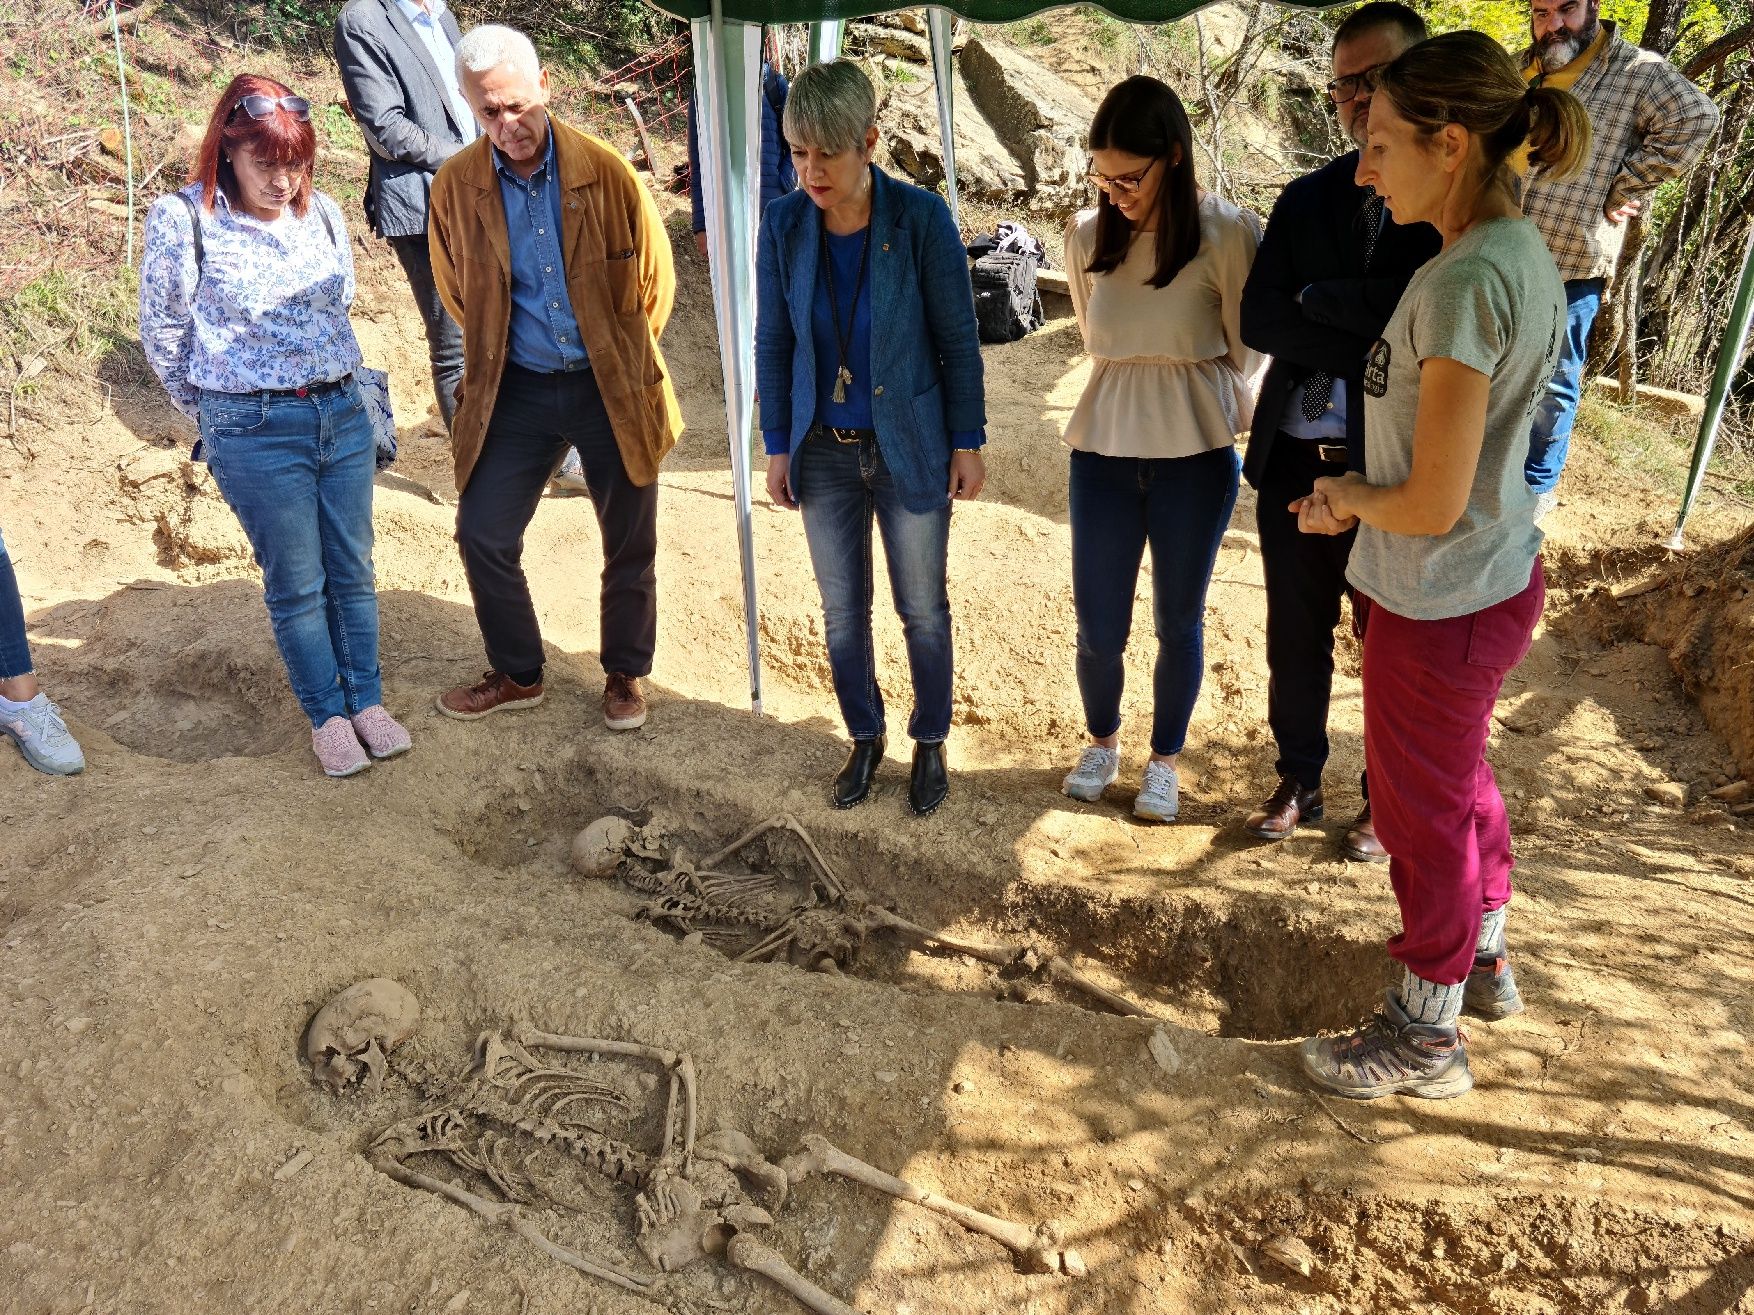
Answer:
x=985 y=170
x=1039 y=117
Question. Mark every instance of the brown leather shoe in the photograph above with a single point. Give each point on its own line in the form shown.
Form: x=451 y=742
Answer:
x=1361 y=844
x=1285 y=810
x=494 y=692
x=624 y=707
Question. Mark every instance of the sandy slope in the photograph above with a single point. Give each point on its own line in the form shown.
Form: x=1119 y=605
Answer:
x=172 y=918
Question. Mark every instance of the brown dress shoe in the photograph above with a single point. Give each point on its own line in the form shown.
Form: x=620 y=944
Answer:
x=494 y=692
x=1361 y=844
x=624 y=707
x=1284 y=810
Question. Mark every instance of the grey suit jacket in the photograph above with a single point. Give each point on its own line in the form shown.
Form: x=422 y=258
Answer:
x=402 y=107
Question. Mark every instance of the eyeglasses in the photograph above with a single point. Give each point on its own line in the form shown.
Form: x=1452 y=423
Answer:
x=1125 y=184
x=1341 y=90
x=263 y=107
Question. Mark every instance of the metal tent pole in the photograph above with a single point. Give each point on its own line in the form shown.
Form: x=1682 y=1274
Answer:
x=727 y=61
x=938 y=23
x=1735 y=339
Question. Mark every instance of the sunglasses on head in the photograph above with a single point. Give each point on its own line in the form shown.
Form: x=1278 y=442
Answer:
x=263 y=107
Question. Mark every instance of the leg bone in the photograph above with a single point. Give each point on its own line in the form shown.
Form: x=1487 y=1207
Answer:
x=746 y=1253
x=499 y=1212
x=1034 y=1247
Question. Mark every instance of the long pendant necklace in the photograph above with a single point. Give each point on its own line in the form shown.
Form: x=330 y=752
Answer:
x=843 y=341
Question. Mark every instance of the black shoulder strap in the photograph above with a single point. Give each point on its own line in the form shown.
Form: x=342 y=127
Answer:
x=195 y=223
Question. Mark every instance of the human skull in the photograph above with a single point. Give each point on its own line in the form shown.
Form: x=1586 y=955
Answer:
x=597 y=851
x=353 y=1033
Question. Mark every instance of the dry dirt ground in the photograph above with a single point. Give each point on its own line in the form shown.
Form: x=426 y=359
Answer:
x=170 y=920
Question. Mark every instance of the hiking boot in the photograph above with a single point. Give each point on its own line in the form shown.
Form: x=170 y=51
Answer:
x=1286 y=809
x=494 y=692
x=42 y=736
x=382 y=735
x=1388 y=1056
x=624 y=707
x=338 y=749
x=1491 y=991
x=1159 y=794
x=1096 y=771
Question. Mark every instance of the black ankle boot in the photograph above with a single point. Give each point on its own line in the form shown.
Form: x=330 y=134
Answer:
x=853 y=783
x=930 y=785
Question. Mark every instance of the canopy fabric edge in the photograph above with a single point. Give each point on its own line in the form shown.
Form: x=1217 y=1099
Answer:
x=979 y=11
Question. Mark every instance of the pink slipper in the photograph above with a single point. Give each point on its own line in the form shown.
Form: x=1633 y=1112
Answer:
x=338 y=748
x=382 y=735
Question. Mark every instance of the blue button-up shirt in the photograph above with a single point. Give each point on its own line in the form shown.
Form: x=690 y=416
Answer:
x=432 y=34
x=544 y=336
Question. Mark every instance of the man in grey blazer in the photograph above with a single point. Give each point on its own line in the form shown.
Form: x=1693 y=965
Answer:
x=398 y=63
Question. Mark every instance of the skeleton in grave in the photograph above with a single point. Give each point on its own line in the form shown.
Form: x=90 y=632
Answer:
x=694 y=1197
x=751 y=918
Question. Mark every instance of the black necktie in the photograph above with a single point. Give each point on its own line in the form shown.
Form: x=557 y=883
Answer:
x=1318 y=387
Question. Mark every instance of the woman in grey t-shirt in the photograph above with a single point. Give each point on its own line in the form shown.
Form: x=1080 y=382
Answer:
x=1447 y=568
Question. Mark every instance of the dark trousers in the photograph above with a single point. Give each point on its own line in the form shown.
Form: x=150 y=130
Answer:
x=14 y=648
x=1179 y=506
x=1306 y=578
x=535 y=418
x=444 y=336
x=1429 y=690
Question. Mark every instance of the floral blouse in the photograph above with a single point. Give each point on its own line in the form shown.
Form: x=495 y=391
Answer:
x=267 y=308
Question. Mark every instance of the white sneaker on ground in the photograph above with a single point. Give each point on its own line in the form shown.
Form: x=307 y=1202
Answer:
x=1545 y=503
x=1096 y=771
x=1159 y=795
x=382 y=735
x=42 y=736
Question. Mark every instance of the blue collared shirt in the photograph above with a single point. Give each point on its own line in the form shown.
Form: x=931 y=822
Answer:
x=544 y=335
x=1330 y=426
x=438 y=45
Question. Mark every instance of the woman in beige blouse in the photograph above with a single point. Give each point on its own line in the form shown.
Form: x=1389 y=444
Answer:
x=1156 y=271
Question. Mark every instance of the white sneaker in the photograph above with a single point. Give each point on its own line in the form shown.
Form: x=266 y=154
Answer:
x=1159 y=795
x=42 y=737
x=1545 y=503
x=1096 y=771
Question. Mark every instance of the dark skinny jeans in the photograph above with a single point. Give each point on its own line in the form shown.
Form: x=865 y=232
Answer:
x=1179 y=506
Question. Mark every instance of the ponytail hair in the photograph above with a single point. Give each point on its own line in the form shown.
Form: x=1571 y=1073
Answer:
x=1559 y=132
x=1468 y=79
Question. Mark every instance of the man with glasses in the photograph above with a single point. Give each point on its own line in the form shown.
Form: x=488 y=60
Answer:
x=1648 y=124
x=398 y=63
x=1326 y=279
x=552 y=255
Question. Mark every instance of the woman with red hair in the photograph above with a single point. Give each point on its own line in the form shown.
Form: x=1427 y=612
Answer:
x=244 y=295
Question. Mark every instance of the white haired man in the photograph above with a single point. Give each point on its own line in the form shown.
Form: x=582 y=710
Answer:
x=552 y=256
x=1648 y=124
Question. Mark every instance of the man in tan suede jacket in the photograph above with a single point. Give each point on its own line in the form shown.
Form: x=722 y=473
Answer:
x=551 y=254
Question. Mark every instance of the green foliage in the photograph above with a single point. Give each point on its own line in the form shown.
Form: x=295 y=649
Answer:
x=85 y=315
x=1508 y=20
x=1031 y=32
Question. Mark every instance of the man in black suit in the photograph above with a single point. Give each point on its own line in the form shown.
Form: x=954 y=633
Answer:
x=1325 y=281
x=398 y=63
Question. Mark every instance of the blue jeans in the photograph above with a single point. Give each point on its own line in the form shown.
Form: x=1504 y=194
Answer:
x=14 y=649
x=1179 y=506
x=840 y=487
x=298 y=473
x=1556 y=412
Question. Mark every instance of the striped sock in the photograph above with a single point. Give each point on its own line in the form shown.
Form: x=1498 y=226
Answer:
x=1430 y=1003
x=1491 y=932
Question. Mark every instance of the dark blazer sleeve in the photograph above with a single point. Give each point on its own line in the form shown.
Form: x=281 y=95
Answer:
x=774 y=339
x=379 y=98
x=949 y=301
x=1272 y=319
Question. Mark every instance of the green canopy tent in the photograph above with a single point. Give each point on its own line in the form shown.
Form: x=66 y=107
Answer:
x=727 y=62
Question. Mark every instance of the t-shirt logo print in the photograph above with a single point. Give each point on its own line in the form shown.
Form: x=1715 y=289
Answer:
x=1376 y=369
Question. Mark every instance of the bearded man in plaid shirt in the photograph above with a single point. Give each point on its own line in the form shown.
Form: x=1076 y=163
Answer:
x=1649 y=124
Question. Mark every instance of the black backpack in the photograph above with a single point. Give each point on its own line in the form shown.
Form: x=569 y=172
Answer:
x=1007 y=304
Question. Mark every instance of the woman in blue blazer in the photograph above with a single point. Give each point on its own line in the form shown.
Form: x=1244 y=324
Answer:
x=869 y=370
